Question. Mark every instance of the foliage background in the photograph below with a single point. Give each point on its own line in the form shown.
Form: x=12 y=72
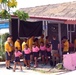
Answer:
x=5 y=14
x=3 y=38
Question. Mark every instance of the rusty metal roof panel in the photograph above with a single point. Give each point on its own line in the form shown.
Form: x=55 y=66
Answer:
x=66 y=10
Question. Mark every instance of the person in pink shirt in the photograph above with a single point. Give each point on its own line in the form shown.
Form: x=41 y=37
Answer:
x=48 y=52
x=35 y=51
x=27 y=52
x=17 y=59
x=43 y=50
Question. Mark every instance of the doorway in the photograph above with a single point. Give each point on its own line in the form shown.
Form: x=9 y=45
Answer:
x=52 y=30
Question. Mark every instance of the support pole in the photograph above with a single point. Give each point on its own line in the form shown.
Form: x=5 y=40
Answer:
x=59 y=34
x=46 y=28
x=67 y=32
x=18 y=26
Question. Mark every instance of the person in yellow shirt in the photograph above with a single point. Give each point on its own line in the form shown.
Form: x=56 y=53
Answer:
x=12 y=46
x=23 y=47
x=31 y=41
x=24 y=43
x=11 y=42
x=41 y=39
x=8 y=50
x=17 y=44
x=27 y=41
x=65 y=46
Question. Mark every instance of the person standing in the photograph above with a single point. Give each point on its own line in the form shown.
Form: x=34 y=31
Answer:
x=43 y=50
x=17 y=44
x=35 y=50
x=23 y=47
x=36 y=41
x=27 y=56
x=54 y=51
x=31 y=41
x=65 y=46
x=24 y=43
x=48 y=52
x=12 y=46
x=8 y=51
x=17 y=59
x=41 y=39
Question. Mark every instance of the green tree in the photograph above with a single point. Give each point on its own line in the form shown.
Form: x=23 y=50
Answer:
x=7 y=5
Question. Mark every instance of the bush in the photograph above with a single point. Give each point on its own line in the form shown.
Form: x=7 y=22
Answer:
x=2 y=55
x=3 y=38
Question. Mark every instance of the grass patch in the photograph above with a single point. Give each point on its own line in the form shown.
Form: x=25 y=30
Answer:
x=39 y=70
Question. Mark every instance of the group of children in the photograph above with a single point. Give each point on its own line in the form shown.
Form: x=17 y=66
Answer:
x=33 y=49
x=29 y=52
x=44 y=51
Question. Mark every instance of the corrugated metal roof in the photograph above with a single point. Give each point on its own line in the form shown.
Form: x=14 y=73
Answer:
x=62 y=10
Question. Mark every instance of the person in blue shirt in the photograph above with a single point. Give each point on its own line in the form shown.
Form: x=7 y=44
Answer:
x=54 y=51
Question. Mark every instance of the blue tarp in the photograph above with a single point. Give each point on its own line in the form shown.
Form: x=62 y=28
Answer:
x=4 y=25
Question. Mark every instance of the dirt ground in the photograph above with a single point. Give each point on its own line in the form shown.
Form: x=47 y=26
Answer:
x=41 y=69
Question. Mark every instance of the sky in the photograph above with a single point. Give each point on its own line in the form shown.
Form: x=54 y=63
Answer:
x=33 y=3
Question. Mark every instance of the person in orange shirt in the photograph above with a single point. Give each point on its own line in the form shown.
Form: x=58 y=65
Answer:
x=65 y=46
x=8 y=50
x=17 y=44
